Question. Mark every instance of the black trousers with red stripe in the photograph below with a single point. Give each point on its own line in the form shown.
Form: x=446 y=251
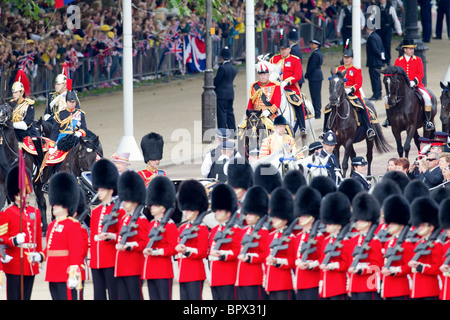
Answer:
x=160 y=289
x=191 y=290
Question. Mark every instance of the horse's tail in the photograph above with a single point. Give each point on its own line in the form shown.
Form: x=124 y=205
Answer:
x=380 y=141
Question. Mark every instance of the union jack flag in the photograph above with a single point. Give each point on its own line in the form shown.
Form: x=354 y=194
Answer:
x=176 y=48
x=27 y=62
x=72 y=61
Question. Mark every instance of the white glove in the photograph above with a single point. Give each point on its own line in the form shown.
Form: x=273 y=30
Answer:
x=21 y=125
x=157 y=252
x=72 y=283
x=78 y=134
x=412 y=84
x=19 y=238
x=266 y=113
x=46 y=116
x=34 y=257
x=383 y=56
x=52 y=150
x=348 y=90
x=7 y=259
x=283 y=84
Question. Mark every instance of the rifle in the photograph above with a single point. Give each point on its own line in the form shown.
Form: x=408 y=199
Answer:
x=190 y=233
x=358 y=252
x=307 y=247
x=127 y=230
x=422 y=249
x=111 y=218
x=447 y=257
x=383 y=235
x=411 y=236
x=221 y=236
x=247 y=240
x=155 y=233
x=391 y=253
x=279 y=243
x=331 y=248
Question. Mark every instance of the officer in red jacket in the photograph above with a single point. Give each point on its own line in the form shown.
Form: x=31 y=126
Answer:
x=192 y=249
x=250 y=271
x=14 y=236
x=223 y=256
x=158 y=268
x=131 y=242
x=425 y=268
x=364 y=272
x=103 y=237
x=307 y=272
x=291 y=74
x=444 y=220
x=152 y=146
x=394 y=281
x=65 y=249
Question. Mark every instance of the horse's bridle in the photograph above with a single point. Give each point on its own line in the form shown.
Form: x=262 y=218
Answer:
x=397 y=97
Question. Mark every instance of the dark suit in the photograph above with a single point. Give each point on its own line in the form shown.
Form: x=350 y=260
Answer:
x=425 y=19
x=366 y=185
x=223 y=83
x=374 y=51
x=432 y=178
x=296 y=51
x=332 y=162
x=315 y=77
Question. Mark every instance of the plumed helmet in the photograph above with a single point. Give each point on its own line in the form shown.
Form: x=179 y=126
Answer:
x=267 y=176
x=444 y=214
x=12 y=182
x=284 y=40
x=294 y=179
x=192 y=196
x=414 y=189
x=335 y=209
x=396 y=209
x=131 y=187
x=424 y=210
x=263 y=66
x=105 y=175
x=60 y=79
x=307 y=202
x=223 y=197
x=64 y=191
x=256 y=201
x=240 y=173
x=350 y=187
x=161 y=191
x=323 y=184
x=281 y=204
x=152 y=145
x=365 y=207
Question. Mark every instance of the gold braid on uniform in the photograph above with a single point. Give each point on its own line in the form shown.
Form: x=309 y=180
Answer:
x=257 y=95
x=20 y=109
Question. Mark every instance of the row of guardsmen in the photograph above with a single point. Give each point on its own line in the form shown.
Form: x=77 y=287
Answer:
x=276 y=238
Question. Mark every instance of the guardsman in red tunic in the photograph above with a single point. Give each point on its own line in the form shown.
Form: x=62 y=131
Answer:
x=395 y=282
x=224 y=243
x=158 y=268
x=280 y=261
x=308 y=243
x=413 y=65
x=364 y=272
x=192 y=244
x=132 y=237
x=444 y=220
x=152 y=145
x=30 y=239
x=335 y=214
x=291 y=74
x=250 y=272
x=104 y=226
x=65 y=239
x=425 y=267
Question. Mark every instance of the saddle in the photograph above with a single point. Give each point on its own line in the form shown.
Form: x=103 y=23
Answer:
x=296 y=101
x=28 y=145
x=357 y=104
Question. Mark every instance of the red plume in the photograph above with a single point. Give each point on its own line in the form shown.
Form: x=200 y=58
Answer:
x=65 y=72
x=22 y=77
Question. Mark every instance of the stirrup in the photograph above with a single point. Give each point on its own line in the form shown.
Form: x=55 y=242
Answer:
x=303 y=132
x=45 y=187
x=370 y=133
x=429 y=126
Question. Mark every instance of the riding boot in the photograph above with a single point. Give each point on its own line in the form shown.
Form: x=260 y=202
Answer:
x=365 y=118
x=386 y=122
x=325 y=123
x=428 y=124
x=301 y=119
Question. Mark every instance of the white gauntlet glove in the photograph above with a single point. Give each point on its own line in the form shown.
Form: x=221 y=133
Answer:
x=21 y=125
x=266 y=113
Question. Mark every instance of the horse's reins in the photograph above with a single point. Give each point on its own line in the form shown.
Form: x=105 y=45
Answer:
x=397 y=97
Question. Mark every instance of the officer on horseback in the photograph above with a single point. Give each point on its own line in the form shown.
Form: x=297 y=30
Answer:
x=353 y=77
x=291 y=74
x=413 y=66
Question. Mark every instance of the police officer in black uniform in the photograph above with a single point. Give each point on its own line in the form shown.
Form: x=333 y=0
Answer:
x=296 y=51
x=315 y=76
x=218 y=166
x=222 y=135
x=357 y=174
x=329 y=142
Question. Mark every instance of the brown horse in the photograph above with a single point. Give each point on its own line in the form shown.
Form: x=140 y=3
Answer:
x=445 y=107
x=343 y=122
x=405 y=111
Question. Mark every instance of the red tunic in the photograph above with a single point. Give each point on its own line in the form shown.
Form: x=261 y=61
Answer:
x=103 y=253
x=250 y=273
x=160 y=267
x=223 y=272
x=354 y=78
x=308 y=278
x=272 y=92
x=148 y=175
x=130 y=262
x=191 y=267
x=445 y=291
x=413 y=68
x=291 y=68
x=65 y=248
x=10 y=227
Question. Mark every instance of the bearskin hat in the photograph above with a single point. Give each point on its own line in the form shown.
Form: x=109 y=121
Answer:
x=307 y=202
x=131 y=187
x=384 y=189
x=396 y=209
x=267 y=176
x=63 y=191
x=323 y=184
x=350 y=187
x=192 y=196
x=104 y=174
x=281 y=204
x=365 y=207
x=12 y=182
x=399 y=177
x=335 y=209
x=414 y=189
x=240 y=174
x=424 y=209
x=161 y=191
x=444 y=214
x=256 y=201
x=223 y=197
x=440 y=194
x=152 y=145
x=293 y=179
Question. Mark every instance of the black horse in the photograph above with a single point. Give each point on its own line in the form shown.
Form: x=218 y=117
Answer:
x=445 y=107
x=405 y=111
x=253 y=134
x=344 y=123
